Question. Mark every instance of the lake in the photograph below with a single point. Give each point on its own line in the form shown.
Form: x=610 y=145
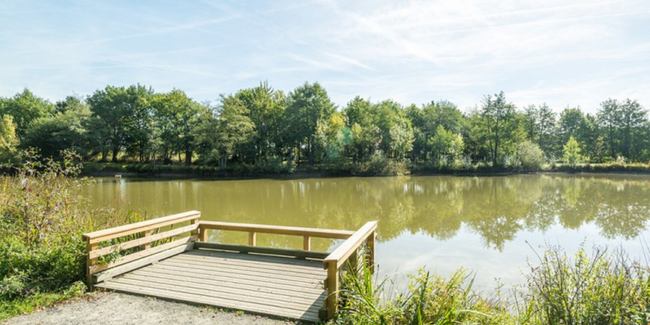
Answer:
x=490 y=225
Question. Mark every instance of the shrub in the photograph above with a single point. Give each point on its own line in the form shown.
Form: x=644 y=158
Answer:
x=42 y=218
x=530 y=155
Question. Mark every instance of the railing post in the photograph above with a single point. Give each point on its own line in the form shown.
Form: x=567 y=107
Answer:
x=252 y=238
x=203 y=233
x=90 y=262
x=306 y=243
x=197 y=230
x=145 y=234
x=371 y=252
x=332 y=289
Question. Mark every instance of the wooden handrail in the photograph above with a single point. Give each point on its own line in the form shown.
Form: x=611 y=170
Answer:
x=333 y=262
x=144 y=228
x=340 y=255
x=254 y=229
x=107 y=234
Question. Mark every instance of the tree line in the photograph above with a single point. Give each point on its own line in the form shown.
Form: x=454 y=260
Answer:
x=262 y=126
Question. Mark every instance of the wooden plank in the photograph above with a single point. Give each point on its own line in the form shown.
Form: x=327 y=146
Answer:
x=308 y=314
x=270 y=229
x=340 y=254
x=263 y=250
x=226 y=281
x=141 y=241
x=255 y=293
x=245 y=297
x=205 y=274
x=110 y=273
x=283 y=260
x=106 y=234
x=252 y=272
x=132 y=257
x=235 y=263
x=90 y=262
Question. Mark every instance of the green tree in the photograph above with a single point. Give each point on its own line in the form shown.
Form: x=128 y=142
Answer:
x=175 y=117
x=609 y=118
x=572 y=152
x=234 y=129
x=8 y=140
x=632 y=119
x=25 y=107
x=118 y=112
x=266 y=107
x=498 y=124
x=65 y=130
x=307 y=105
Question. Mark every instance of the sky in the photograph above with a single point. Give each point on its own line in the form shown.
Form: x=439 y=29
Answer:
x=563 y=53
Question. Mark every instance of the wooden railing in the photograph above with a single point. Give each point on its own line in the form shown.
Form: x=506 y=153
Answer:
x=252 y=229
x=348 y=253
x=146 y=236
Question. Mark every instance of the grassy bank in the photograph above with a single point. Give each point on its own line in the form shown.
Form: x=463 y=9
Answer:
x=42 y=217
x=597 y=288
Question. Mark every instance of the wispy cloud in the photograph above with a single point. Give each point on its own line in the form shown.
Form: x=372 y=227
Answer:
x=411 y=51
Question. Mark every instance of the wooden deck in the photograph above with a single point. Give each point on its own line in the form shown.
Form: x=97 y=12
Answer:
x=179 y=263
x=269 y=285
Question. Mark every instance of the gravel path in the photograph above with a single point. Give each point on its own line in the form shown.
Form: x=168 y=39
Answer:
x=114 y=308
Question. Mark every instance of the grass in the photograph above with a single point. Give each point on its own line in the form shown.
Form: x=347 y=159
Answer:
x=597 y=288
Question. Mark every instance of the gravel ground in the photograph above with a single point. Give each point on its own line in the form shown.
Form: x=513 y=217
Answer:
x=114 y=308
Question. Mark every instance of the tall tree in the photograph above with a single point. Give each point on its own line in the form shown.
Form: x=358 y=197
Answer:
x=118 y=111
x=609 y=118
x=25 y=107
x=307 y=105
x=633 y=117
x=497 y=119
x=235 y=129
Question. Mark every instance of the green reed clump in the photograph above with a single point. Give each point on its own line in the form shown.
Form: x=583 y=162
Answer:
x=42 y=217
x=601 y=288
x=430 y=299
x=588 y=289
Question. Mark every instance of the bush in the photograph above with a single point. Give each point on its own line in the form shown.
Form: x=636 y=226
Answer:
x=531 y=156
x=42 y=218
x=602 y=288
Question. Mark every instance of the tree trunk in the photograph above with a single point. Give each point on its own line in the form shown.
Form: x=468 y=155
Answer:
x=188 y=157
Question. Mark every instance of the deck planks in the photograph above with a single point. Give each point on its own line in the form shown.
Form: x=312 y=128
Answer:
x=277 y=286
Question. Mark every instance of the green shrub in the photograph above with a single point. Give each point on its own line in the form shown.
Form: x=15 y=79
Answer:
x=42 y=218
x=530 y=155
x=604 y=288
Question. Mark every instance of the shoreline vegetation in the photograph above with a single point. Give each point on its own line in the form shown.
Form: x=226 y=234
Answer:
x=263 y=131
x=249 y=172
x=42 y=218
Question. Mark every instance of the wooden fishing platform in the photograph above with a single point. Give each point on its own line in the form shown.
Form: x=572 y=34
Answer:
x=171 y=258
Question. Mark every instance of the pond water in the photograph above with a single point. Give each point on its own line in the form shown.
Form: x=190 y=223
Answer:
x=489 y=225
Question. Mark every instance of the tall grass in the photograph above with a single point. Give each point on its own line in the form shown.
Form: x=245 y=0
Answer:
x=588 y=289
x=42 y=217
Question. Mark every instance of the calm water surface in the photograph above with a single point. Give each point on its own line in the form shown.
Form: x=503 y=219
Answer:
x=490 y=225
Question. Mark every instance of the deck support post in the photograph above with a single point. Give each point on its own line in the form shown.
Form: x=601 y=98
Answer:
x=332 y=289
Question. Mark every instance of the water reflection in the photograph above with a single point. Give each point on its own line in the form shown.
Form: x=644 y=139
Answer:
x=495 y=208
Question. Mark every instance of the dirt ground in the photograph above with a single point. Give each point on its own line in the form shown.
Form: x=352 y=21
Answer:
x=114 y=308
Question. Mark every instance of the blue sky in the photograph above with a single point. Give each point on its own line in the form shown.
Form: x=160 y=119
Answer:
x=559 y=52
